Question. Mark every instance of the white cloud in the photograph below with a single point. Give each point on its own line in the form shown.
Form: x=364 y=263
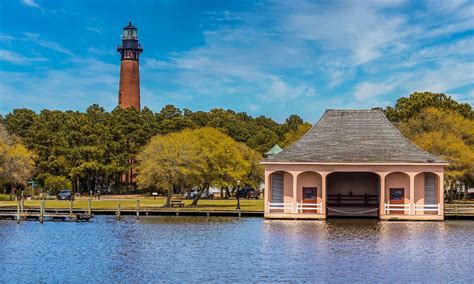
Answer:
x=41 y=41
x=447 y=76
x=32 y=3
x=6 y=38
x=360 y=28
x=367 y=90
x=16 y=58
x=279 y=90
x=153 y=63
x=87 y=82
x=94 y=25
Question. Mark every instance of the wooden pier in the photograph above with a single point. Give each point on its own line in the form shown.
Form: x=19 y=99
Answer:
x=459 y=210
x=22 y=213
x=41 y=214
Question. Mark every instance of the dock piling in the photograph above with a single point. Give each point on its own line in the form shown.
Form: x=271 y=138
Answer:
x=118 y=211
x=42 y=210
x=89 y=206
x=18 y=213
x=138 y=208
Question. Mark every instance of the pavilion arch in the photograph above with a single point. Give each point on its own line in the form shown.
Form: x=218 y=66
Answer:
x=397 y=180
x=427 y=188
x=309 y=179
x=352 y=191
x=281 y=187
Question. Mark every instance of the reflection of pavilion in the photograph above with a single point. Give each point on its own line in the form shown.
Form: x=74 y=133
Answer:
x=354 y=161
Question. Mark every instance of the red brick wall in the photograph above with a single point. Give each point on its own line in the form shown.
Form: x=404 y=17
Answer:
x=129 y=91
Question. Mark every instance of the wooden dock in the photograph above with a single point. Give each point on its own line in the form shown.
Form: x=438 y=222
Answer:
x=23 y=213
x=41 y=214
x=47 y=216
x=459 y=210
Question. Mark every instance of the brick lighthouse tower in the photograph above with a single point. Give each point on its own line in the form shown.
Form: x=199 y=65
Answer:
x=129 y=90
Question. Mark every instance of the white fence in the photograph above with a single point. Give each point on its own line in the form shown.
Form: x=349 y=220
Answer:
x=302 y=207
x=412 y=209
x=428 y=208
x=279 y=206
x=291 y=208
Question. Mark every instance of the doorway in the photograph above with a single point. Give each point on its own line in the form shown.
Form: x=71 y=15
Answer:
x=397 y=196
x=309 y=197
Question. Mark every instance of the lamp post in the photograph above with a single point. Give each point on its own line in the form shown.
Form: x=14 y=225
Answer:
x=237 y=195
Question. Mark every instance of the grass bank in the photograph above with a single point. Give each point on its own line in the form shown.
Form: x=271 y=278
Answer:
x=130 y=202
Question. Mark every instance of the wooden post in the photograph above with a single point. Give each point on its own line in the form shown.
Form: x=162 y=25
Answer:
x=266 y=192
x=89 y=207
x=441 y=194
x=18 y=213
x=42 y=205
x=323 y=193
x=411 y=210
x=70 y=206
x=294 y=208
x=118 y=211
x=382 y=194
x=138 y=208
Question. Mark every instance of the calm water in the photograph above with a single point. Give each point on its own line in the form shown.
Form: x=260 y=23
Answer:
x=194 y=249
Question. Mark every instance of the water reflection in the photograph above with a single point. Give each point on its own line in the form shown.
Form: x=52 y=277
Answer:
x=216 y=249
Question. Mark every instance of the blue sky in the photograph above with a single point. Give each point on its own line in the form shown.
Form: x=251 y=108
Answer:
x=273 y=58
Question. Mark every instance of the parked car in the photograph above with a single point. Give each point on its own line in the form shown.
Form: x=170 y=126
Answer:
x=190 y=194
x=249 y=193
x=65 y=195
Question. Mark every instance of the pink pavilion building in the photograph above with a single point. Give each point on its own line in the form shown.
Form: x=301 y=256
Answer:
x=354 y=163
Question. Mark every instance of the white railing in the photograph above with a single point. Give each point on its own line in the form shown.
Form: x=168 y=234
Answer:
x=411 y=208
x=302 y=207
x=428 y=208
x=398 y=208
x=279 y=206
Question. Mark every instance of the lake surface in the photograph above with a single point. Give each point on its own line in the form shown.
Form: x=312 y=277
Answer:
x=221 y=249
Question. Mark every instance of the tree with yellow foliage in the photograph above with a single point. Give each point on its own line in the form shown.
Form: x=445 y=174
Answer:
x=450 y=136
x=16 y=162
x=197 y=158
x=293 y=135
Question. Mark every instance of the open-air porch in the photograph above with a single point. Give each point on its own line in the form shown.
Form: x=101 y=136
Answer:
x=313 y=194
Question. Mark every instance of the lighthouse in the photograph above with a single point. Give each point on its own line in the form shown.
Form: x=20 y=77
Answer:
x=130 y=50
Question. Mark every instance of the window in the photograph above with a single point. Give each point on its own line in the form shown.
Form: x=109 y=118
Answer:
x=396 y=194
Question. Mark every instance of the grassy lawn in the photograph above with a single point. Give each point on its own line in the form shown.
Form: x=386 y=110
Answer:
x=4 y=197
x=130 y=202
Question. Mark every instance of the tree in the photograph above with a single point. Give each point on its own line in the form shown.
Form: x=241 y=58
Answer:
x=253 y=172
x=197 y=158
x=292 y=123
x=16 y=162
x=54 y=184
x=293 y=135
x=220 y=160
x=263 y=140
x=406 y=108
x=168 y=162
x=448 y=135
x=96 y=149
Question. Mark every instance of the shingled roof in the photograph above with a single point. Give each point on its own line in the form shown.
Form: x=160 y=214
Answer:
x=353 y=136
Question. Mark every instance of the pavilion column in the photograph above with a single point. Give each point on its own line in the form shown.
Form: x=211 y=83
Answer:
x=382 y=194
x=441 y=194
x=295 y=193
x=267 y=191
x=412 y=194
x=323 y=193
